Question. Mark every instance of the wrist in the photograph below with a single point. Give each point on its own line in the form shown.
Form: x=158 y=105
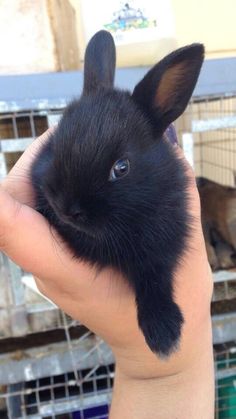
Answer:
x=138 y=362
x=187 y=393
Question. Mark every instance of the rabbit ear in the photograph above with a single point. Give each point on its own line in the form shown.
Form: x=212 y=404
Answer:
x=164 y=92
x=99 y=62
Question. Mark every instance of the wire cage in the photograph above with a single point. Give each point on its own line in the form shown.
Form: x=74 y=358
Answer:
x=68 y=373
x=20 y=308
x=207 y=133
x=52 y=367
x=209 y=137
x=224 y=336
x=225 y=363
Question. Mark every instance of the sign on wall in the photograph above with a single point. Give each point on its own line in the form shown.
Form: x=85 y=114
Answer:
x=129 y=21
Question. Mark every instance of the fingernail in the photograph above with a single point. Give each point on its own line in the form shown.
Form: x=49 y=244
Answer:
x=171 y=136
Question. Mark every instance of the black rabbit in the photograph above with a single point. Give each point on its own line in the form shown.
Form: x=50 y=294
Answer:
x=112 y=186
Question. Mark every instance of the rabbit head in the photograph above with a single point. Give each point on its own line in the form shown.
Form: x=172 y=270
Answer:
x=109 y=146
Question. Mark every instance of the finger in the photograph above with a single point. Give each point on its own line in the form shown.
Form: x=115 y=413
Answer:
x=18 y=182
x=26 y=237
x=170 y=134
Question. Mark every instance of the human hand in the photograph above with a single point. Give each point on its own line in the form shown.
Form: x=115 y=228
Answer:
x=103 y=301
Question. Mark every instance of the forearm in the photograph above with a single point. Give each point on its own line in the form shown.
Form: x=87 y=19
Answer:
x=188 y=394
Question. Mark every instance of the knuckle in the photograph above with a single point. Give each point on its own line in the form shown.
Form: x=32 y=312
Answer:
x=40 y=285
x=8 y=221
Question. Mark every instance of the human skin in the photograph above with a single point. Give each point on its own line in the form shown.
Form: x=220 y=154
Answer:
x=146 y=386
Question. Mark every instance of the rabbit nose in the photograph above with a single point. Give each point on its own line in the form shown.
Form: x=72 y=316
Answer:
x=75 y=212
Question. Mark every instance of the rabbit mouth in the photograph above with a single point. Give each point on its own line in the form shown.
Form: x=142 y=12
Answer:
x=77 y=221
x=81 y=225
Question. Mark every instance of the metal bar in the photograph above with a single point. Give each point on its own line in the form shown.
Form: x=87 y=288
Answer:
x=225 y=373
x=14 y=402
x=32 y=125
x=188 y=147
x=224 y=327
x=53 y=118
x=222 y=276
x=3 y=167
x=213 y=124
x=52 y=359
x=74 y=404
x=17 y=145
x=14 y=124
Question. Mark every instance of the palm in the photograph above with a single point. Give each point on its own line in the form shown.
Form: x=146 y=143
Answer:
x=102 y=301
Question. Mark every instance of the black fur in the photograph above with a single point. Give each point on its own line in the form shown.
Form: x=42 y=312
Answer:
x=137 y=224
x=190 y=59
x=99 y=62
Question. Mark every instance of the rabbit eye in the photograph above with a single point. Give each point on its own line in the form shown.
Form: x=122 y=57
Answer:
x=119 y=169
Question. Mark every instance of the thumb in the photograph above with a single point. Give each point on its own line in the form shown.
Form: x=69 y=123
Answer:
x=25 y=236
x=10 y=213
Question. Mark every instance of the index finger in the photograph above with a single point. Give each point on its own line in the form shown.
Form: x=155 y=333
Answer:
x=18 y=183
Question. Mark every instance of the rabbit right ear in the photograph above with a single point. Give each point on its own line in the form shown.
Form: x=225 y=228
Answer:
x=164 y=92
x=99 y=62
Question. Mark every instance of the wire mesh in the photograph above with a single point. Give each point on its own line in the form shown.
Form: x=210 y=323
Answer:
x=224 y=286
x=20 y=308
x=211 y=121
x=86 y=393
x=225 y=366
x=72 y=377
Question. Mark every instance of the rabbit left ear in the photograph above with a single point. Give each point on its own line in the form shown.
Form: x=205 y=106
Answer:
x=164 y=92
x=99 y=62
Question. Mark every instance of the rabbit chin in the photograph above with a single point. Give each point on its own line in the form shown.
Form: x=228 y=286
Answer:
x=82 y=226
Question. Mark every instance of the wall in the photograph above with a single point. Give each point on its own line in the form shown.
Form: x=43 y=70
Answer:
x=38 y=36
x=214 y=151
x=26 y=40
x=209 y=21
x=50 y=35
